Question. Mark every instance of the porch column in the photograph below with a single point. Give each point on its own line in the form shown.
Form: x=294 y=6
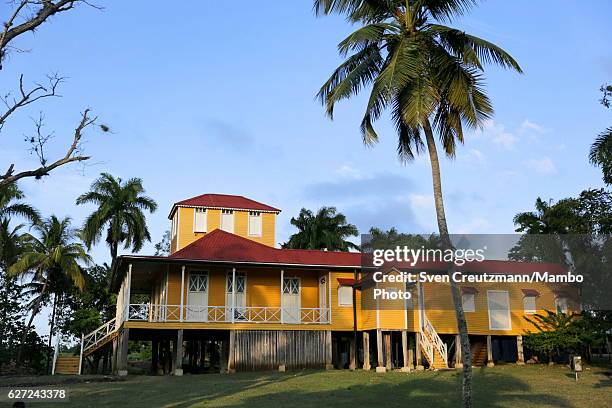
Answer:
x=233 y=298
x=231 y=367
x=380 y=368
x=115 y=344
x=178 y=353
x=126 y=294
x=407 y=363
x=282 y=280
x=329 y=364
x=352 y=354
x=519 y=349
x=458 y=363
x=182 y=291
x=366 y=351
x=418 y=354
x=388 y=351
x=154 y=355
x=122 y=355
x=490 y=362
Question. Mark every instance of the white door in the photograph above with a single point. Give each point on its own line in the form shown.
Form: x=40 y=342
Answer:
x=240 y=312
x=499 y=310
x=197 y=297
x=290 y=302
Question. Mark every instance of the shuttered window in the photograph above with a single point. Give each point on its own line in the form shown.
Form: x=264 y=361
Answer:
x=529 y=304
x=255 y=223
x=227 y=220
x=345 y=296
x=199 y=223
x=469 y=304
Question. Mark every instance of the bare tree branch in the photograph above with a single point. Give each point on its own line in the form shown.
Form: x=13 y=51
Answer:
x=43 y=9
x=27 y=97
x=73 y=154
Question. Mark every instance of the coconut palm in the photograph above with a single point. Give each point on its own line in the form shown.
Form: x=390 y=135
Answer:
x=52 y=258
x=12 y=243
x=11 y=204
x=429 y=75
x=600 y=154
x=327 y=229
x=119 y=213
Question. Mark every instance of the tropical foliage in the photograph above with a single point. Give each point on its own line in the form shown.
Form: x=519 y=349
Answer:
x=119 y=213
x=53 y=259
x=601 y=151
x=378 y=238
x=559 y=334
x=327 y=229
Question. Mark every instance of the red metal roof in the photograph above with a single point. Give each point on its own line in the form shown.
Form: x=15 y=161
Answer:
x=224 y=201
x=220 y=246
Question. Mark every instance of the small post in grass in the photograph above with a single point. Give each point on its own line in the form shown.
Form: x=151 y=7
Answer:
x=577 y=363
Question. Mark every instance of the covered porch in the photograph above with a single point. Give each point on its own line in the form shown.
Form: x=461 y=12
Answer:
x=160 y=290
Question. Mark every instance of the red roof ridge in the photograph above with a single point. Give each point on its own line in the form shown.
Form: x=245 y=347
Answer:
x=226 y=201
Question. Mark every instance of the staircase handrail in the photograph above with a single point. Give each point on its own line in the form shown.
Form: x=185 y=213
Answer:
x=92 y=339
x=435 y=338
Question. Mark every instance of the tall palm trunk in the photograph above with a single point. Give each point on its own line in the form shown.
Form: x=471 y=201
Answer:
x=51 y=329
x=26 y=330
x=466 y=356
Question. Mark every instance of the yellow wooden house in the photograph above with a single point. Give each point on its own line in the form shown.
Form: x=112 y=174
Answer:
x=227 y=299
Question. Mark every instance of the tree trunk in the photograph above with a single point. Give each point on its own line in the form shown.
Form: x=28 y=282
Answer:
x=51 y=331
x=35 y=311
x=466 y=355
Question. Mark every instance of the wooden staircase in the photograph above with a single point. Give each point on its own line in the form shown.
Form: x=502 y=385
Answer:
x=434 y=349
x=479 y=354
x=67 y=365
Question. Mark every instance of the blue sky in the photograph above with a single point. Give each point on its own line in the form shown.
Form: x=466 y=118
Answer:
x=219 y=97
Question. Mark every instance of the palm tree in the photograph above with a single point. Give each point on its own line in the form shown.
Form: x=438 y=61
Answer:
x=430 y=76
x=120 y=213
x=10 y=204
x=600 y=154
x=325 y=230
x=52 y=258
x=12 y=243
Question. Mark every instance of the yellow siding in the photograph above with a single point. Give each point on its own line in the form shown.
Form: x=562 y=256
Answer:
x=263 y=289
x=440 y=310
x=186 y=235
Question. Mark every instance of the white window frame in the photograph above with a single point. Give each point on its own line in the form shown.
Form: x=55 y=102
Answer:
x=197 y=211
x=174 y=226
x=259 y=217
x=509 y=327
x=561 y=304
x=527 y=308
x=233 y=215
x=468 y=300
x=344 y=288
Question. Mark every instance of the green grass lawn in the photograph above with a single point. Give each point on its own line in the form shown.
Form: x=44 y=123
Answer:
x=501 y=386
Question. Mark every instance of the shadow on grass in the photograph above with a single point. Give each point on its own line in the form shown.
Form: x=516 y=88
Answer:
x=316 y=389
x=490 y=390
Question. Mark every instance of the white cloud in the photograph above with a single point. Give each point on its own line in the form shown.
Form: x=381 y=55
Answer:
x=472 y=156
x=420 y=201
x=543 y=166
x=476 y=225
x=496 y=132
x=529 y=126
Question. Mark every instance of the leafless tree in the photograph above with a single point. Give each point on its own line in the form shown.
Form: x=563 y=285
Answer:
x=26 y=16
